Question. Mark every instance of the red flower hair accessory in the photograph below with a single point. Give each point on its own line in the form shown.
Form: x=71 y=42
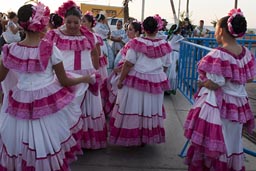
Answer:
x=159 y=21
x=39 y=19
x=232 y=14
x=65 y=7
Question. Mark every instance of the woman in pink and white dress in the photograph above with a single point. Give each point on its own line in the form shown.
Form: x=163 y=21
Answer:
x=78 y=47
x=40 y=119
x=89 y=22
x=109 y=90
x=221 y=109
x=138 y=115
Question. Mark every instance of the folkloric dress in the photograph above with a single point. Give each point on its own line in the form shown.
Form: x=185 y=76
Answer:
x=76 y=52
x=102 y=30
x=215 y=122
x=40 y=121
x=109 y=88
x=138 y=115
x=172 y=71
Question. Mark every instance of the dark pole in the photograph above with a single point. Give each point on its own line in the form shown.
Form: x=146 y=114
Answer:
x=236 y=4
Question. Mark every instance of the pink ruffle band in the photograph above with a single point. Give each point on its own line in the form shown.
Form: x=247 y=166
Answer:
x=64 y=42
x=28 y=65
x=103 y=61
x=95 y=87
x=228 y=70
x=151 y=83
x=40 y=106
x=99 y=39
x=155 y=49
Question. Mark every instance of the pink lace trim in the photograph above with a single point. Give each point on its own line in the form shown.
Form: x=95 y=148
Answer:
x=156 y=49
x=28 y=65
x=41 y=107
x=64 y=42
x=228 y=70
x=152 y=83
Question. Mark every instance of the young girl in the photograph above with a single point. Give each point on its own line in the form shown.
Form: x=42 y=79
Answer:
x=78 y=47
x=102 y=29
x=174 y=38
x=138 y=115
x=40 y=119
x=109 y=92
x=215 y=122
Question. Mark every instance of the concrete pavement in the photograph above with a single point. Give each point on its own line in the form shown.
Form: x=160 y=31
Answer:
x=160 y=157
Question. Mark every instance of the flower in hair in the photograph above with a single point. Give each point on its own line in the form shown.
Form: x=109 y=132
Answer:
x=159 y=21
x=232 y=14
x=89 y=13
x=39 y=19
x=65 y=7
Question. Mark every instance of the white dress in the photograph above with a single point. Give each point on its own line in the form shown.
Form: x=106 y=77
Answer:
x=138 y=115
x=172 y=71
x=76 y=52
x=102 y=30
x=40 y=121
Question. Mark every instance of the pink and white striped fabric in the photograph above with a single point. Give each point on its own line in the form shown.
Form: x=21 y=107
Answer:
x=215 y=122
x=138 y=115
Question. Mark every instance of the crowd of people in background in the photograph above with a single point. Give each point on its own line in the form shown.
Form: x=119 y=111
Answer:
x=70 y=83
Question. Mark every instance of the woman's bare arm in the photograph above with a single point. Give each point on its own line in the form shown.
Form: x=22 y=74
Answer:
x=66 y=81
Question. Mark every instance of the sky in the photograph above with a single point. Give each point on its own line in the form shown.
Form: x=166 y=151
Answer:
x=199 y=9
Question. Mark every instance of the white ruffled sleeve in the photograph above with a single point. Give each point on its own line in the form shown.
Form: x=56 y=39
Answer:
x=166 y=60
x=56 y=56
x=217 y=79
x=131 y=56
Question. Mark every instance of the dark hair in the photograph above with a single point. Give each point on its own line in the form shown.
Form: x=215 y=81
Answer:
x=150 y=25
x=238 y=23
x=137 y=27
x=89 y=18
x=74 y=11
x=56 y=20
x=24 y=13
x=100 y=17
x=11 y=15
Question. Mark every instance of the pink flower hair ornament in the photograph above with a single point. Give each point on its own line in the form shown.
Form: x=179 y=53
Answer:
x=39 y=19
x=159 y=21
x=65 y=7
x=232 y=14
x=89 y=13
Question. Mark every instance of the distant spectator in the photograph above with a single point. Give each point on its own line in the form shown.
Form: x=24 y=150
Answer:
x=12 y=33
x=187 y=28
x=200 y=31
x=117 y=37
x=165 y=29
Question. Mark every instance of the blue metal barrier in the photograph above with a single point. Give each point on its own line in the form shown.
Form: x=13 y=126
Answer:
x=190 y=54
x=245 y=37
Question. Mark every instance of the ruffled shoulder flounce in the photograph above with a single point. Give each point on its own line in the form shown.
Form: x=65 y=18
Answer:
x=237 y=69
x=27 y=59
x=74 y=43
x=153 y=48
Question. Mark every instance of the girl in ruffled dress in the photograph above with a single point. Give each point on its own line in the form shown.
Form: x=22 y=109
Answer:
x=109 y=91
x=174 y=38
x=40 y=120
x=89 y=22
x=103 y=30
x=221 y=109
x=138 y=115
x=78 y=47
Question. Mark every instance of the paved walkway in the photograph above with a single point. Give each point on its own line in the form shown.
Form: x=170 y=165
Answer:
x=160 y=157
